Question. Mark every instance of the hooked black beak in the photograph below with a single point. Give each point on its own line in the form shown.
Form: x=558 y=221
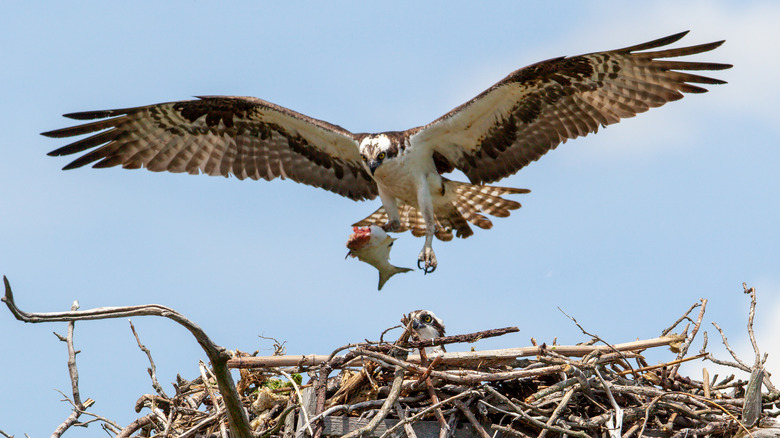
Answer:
x=372 y=165
x=416 y=325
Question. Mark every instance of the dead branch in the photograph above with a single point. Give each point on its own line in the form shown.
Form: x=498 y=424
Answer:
x=689 y=339
x=683 y=317
x=239 y=423
x=470 y=358
x=152 y=368
x=136 y=425
x=78 y=406
x=469 y=337
x=395 y=391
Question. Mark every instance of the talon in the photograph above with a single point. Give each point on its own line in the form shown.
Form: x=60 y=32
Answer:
x=391 y=225
x=426 y=261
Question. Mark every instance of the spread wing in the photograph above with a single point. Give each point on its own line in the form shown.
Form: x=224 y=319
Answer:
x=538 y=107
x=219 y=135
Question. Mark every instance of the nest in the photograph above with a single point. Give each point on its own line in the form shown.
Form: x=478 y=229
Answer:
x=595 y=389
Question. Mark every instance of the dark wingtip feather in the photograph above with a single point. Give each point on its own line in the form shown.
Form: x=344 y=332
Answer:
x=90 y=115
x=72 y=165
x=656 y=43
x=53 y=134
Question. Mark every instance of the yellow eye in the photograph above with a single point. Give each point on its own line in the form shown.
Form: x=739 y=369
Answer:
x=427 y=318
x=381 y=156
x=364 y=158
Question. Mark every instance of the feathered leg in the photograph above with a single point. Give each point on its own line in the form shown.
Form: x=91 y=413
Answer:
x=391 y=208
x=425 y=205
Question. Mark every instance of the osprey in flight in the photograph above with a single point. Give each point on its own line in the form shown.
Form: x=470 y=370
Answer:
x=488 y=138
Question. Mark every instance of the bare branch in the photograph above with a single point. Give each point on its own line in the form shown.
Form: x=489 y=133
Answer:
x=595 y=336
x=426 y=411
x=136 y=425
x=687 y=344
x=684 y=316
x=751 y=316
x=152 y=368
x=239 y=422
x=395 y=391
x=73 y=371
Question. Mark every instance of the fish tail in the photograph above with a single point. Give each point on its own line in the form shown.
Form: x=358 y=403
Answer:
x=385 y=274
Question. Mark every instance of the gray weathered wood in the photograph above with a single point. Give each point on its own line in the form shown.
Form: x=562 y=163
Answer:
x=289 y=425
x=309 y=403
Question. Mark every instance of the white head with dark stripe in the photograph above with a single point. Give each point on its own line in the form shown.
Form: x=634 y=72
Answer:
x=375 y=149
x=428 y=326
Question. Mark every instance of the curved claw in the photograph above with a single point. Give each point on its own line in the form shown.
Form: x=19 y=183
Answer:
x=426 y=261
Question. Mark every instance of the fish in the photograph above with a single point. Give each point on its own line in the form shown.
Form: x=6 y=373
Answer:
x=372 y=245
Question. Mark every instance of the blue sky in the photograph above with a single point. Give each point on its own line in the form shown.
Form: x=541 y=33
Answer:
x=623 y=230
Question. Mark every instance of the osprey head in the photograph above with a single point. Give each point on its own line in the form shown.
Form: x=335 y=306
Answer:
x=427 y=324
x=375 y=149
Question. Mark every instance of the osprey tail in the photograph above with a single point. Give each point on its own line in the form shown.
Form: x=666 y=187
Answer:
x=460 y=204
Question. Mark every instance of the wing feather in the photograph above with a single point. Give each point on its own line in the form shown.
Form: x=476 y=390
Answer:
x=221 y=135
x=536 y=108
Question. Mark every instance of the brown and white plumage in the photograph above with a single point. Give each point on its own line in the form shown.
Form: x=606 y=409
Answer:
x=427 y=325
x=492 y=136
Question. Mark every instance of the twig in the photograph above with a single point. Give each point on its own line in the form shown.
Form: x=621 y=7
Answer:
x=738 y=364
x=469 y=337
x=751 y=316
x=661 y=365
x=533 y=421
x=152 y=368
x=194 y=429
x=424 y=412
x=463 y=408
x=214 y=401
x=689 y=340
x=300 y=399
x=395 y=391
x=519 y=413
x=508 y=430
x=560 y=386
x=136 y=425
x=87 y=403
x=279 y=422
x=616 y=426
x=239 y=422
x=320 y=390
x=684 y=316
x=611 y=347
x=410 y=433
x=73 y=372
x=426 y=377
x=557 y=412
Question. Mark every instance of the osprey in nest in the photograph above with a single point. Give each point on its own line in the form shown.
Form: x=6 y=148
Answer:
x=492 y=136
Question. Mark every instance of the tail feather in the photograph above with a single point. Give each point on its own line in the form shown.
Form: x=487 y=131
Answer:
x=469 y=202
x=472 y=200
